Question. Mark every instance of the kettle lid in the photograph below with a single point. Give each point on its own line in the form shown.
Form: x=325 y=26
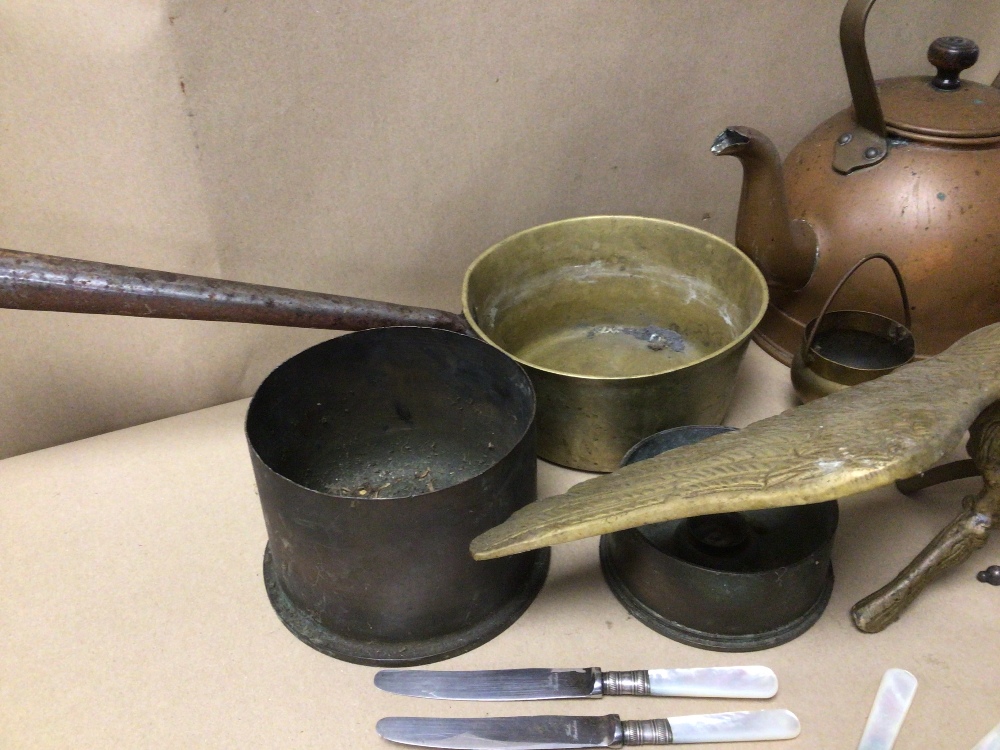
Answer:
x=943 y=108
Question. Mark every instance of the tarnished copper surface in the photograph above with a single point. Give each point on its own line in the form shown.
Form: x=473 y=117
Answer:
x=911 y=170
x=29 y=281
x=966 y=116
x=851 y=441
x=943 y=108
x=864 y=144
x=931 y=209
x=785 y=251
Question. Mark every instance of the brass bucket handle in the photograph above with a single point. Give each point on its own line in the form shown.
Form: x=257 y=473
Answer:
x=807 y=344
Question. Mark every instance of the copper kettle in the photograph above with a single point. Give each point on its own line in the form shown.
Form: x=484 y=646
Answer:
x=912 y=170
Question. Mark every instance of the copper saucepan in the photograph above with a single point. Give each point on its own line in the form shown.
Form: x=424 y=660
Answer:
x=378 y=456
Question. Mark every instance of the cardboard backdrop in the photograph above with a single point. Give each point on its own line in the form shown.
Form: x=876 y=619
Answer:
x=369 y=149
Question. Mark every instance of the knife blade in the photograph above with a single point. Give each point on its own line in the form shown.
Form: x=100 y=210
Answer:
x=549 y=684
x=568 y=732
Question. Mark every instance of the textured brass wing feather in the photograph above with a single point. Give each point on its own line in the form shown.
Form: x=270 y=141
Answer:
x=855 y=440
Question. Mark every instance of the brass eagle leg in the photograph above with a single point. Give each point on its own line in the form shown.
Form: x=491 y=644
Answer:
x=956 y=542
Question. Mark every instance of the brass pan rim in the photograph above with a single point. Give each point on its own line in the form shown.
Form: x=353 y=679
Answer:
x=737 y=341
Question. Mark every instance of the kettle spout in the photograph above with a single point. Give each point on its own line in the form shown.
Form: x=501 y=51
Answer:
x=785 y=251
x=729 y=141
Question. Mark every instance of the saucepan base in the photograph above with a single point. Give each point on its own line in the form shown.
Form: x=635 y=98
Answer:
x=402 y=654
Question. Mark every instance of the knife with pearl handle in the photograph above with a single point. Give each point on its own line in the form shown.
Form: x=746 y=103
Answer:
x=991 y=741
x=892 y=701
x=548 y=684
x=568 y=732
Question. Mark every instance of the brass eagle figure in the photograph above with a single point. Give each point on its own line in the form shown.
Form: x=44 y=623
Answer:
x=849 y=442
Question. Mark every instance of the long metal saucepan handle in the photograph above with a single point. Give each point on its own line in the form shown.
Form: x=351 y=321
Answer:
x=29 y=281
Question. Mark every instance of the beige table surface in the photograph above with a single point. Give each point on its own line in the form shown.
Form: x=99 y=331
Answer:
x=133 y=614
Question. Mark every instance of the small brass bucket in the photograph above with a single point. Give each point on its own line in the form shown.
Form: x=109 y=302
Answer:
x=847 y=347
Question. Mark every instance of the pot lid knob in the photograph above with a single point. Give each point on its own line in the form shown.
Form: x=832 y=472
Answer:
x=951 y=55
x=943 y=109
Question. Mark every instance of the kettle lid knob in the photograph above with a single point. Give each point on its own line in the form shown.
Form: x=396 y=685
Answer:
x=951 y=55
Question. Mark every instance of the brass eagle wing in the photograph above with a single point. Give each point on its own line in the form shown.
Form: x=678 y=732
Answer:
x=855 y=440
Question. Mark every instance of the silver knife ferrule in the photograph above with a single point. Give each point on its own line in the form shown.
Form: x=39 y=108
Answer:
x=625 y=683
x=647 y=732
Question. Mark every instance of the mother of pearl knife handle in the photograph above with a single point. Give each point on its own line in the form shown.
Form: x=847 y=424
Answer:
x=990 y=741
x=895 y=694
x=707 y=682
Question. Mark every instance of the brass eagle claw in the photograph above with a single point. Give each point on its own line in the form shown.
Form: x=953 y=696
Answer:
x=956 y=542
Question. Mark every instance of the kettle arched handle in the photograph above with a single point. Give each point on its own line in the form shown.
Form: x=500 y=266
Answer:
x=867 y=143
